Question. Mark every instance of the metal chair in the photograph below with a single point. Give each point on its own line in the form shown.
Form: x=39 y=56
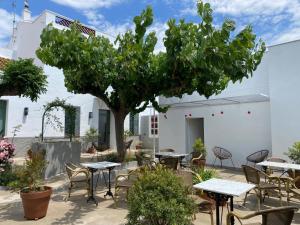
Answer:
x=275 y=216
x=222 y=154
x=271 y=170
x=258 y=156
x=77 y=174
x=170 y=162
x=261 y=189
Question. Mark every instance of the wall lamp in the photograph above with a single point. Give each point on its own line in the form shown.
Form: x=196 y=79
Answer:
x=90 y=115
x=26 y=110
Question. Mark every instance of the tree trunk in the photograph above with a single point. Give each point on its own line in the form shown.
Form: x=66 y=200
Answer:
x=119 y=130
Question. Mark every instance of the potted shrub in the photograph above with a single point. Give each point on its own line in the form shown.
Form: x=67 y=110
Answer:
x=294 y=155
x=35 y=196
x=91 y=136
x=199 y=150
x=159 y=197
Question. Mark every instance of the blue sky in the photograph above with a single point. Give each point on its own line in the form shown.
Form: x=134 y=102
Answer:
x=275 y=21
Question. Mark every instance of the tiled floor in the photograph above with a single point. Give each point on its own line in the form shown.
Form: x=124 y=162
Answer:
x=77 y=211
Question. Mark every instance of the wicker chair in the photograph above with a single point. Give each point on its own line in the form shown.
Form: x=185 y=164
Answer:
x=77 y=174
x=254 y=176
x=271 y=170
x=203 y=206
x=258 y=156
x=275 y=216
x=170 y=162
x=222 y=154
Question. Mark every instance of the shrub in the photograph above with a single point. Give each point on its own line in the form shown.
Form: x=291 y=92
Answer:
x=202 y=174
x=294 y=153
x=199 y=148
x=6 y=153
x=158 y=197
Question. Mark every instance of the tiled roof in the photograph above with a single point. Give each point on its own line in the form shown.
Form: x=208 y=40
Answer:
x=3 y=62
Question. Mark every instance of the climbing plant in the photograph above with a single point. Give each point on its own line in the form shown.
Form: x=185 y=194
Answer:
x=69 y=109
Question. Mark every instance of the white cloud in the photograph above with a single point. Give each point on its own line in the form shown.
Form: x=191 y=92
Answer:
x=88 y=4
x=6 y=24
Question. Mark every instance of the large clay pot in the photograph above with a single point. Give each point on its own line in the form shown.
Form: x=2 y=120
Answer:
x=35 y=204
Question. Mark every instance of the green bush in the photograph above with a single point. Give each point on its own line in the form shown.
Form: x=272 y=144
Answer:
x=199 y=148
x=294 y=153
x=158 y=197
x=202 y=174
x=7 y=176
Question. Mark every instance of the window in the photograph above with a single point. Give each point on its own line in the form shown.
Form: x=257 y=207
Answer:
x=2 y=117
x=153 y=126
x=134 y=123
x=72 y=126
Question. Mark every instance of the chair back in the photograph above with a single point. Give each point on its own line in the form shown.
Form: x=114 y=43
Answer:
x=221 y=153
x=258 y=156
x=283 y=216
x=70 y=167
x=170 y=162
x=251 y=174
x=187 y=178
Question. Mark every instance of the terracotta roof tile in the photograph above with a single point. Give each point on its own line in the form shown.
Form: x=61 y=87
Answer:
x=3 y=62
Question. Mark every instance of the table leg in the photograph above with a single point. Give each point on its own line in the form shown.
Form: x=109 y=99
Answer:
x=217 y=209
x=91 y=197
x=109 y=193
x=231 y=209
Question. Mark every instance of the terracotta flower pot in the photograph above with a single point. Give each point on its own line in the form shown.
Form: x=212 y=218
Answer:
x=35 y=204
x=199 y=163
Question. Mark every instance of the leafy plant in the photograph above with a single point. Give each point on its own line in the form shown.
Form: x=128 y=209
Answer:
x=91 y=136
x=199 y=58
x=30 y=175
x=199 y=148
x=158 y=197
x=294 y=153
x=7 y=176
x=127 y=133
x=202 y=174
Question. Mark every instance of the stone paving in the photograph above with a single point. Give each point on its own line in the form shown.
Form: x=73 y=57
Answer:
x=78 y=211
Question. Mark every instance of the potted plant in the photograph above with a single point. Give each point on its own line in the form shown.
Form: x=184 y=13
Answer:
x=199 y=150
x=35 y=196
x=91 y=136
x=6 y=159
x=294 y=155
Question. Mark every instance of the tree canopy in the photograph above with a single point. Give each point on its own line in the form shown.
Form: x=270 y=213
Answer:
x=22 y=78
x=127 y=75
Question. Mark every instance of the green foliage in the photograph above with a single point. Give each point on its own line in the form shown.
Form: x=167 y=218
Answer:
x=199 y=57
x=91 y=135
x=199 y=147
x=30 y=175
x=294 y=153
x=127 y=133
x=22 y=78
x=158 y=197
x=202 y=174
x=7 y=176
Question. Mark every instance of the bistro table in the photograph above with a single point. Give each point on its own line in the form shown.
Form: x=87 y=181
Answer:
x=220 y=189
x=292 y=166
x=93 y=167
x=160 y=155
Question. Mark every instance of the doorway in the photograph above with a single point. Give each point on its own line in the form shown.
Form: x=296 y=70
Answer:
x=104 y=129
x=194 y=130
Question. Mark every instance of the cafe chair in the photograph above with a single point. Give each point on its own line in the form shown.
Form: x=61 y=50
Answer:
x=275 y=216
x=270 y=170
x=77 y=174
x=142 y=158
x=222 y=154
x=258 y=156
x=262 y=188
x=203 y=206
x=170 y=162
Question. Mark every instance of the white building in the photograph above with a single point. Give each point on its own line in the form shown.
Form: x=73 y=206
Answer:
x=260 y=113
x=92 y=112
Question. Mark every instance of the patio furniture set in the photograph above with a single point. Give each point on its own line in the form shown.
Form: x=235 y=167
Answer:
x=262 y=182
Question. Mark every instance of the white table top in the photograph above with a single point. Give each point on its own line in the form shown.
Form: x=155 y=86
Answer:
x=171 y=154
x=226 y=187
x=100 y=165
x=280 y=165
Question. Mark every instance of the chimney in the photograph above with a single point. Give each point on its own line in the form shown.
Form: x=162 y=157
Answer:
x=26 y=12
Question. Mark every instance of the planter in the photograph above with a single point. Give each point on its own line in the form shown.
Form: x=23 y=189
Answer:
x=199 y=162
x=35 y=204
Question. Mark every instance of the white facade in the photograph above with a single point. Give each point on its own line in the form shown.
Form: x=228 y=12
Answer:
x=260 y=113
x=23 y=45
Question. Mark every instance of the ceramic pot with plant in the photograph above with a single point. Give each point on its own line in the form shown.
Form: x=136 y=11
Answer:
x=35 y=196
x=199 y=153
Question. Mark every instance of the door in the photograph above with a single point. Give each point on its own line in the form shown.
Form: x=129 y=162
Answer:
x=104 y=129
x=194 y=130
x=2 y=118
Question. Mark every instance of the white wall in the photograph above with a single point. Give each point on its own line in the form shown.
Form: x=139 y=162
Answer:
x=236 y=130
x=284 y=95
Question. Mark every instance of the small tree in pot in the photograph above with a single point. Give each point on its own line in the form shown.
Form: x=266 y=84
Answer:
x=35 y=196
x=199 y=153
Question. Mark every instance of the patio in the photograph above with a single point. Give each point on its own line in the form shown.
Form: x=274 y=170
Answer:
x=77 y=211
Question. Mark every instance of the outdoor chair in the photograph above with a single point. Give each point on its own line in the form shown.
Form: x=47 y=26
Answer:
x=222 y=154
x=170 y=162
x=262 y=188
x=203 y=206
x=77 y=174
x=275 y=216
x=291 y=187
x=258 y=156
x=125 y=182
x=142 y=159
x=271 y=170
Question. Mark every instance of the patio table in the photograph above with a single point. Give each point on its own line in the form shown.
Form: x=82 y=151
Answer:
x=279 y=165
x=221 y=189
x=93 y=167
x=170 y=154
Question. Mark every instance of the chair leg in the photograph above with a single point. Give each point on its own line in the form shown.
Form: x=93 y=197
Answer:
x=232 y=162
x=211 y=217
x=214 y=161
x=245 y=198
x=221 y=163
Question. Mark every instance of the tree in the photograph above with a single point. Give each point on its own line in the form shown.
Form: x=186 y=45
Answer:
x=22 y=78
x=128 y=76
